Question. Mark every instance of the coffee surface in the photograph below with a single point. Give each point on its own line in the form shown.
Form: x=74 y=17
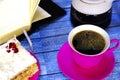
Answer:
x=88 y=42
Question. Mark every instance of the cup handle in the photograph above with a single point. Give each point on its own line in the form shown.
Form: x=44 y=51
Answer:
x=117 y=44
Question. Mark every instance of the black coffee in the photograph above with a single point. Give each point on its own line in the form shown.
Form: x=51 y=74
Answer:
x=78 y=18
x=88 y=42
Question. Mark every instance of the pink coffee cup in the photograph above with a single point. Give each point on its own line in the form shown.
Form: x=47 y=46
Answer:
x=85 y=60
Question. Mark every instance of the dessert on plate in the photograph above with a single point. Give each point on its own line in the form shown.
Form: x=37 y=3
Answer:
x=16 y=63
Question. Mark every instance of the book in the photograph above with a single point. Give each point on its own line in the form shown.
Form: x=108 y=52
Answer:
x=18 y=15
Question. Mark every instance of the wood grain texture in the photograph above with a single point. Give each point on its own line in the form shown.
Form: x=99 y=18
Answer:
x=47 y=39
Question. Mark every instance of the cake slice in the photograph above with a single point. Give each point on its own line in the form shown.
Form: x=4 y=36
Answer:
x=16 y=63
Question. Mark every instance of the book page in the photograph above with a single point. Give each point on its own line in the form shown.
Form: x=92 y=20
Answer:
x=9 y=16
x=34 y=8
x=11 y=22
x=32 y=3
x=21 y=7
x=40 y=14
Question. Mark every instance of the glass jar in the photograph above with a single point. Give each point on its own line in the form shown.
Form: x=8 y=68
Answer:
x=96 y=12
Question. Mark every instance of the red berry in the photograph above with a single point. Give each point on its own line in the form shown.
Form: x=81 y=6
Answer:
x=13 y=47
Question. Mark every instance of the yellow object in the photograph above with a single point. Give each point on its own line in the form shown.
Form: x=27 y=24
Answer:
x=18 y=15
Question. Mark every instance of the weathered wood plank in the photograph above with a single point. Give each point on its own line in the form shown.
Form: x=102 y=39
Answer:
x=58 y=76
x=63 y=3
x=46 y=44
x=48 y=63
x=115 y=75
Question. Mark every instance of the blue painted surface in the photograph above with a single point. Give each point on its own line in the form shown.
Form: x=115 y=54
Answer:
x=48 y=38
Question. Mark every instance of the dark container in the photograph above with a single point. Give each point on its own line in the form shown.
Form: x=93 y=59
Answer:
x=101 y=19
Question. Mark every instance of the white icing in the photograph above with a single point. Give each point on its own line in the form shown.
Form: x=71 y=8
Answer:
x=92 y=8
x=11 y=63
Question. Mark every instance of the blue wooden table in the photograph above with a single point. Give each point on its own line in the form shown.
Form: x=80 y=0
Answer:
x=48 y=37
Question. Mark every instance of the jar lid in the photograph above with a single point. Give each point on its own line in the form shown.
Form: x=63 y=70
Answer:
x=92 y=8
x=93 y=1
